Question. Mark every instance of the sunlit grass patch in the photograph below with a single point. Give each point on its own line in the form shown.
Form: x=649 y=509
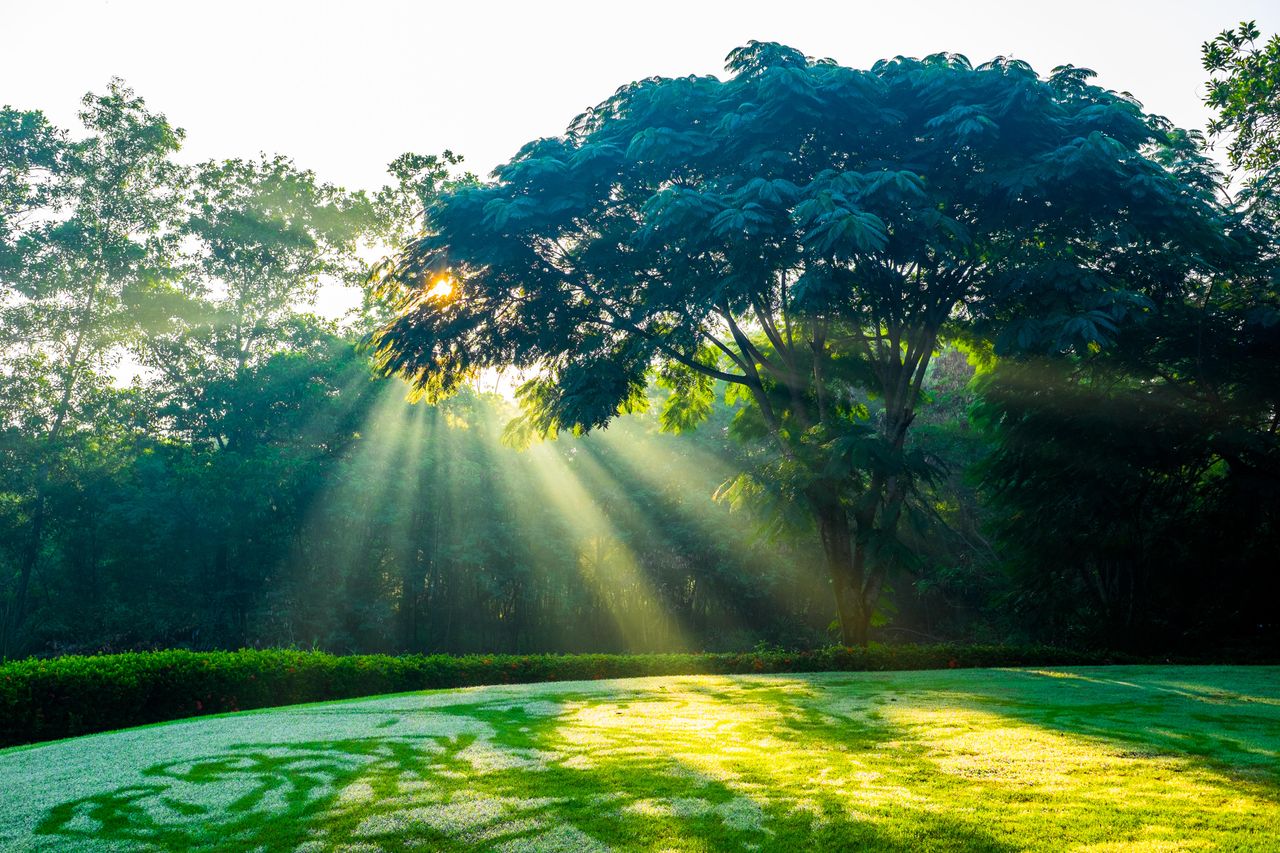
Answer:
x=1090 y=759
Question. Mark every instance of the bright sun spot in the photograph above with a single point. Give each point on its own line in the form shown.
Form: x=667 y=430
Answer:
x=441 y=288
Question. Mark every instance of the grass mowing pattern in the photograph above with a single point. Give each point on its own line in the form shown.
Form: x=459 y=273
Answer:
x=1149 y=758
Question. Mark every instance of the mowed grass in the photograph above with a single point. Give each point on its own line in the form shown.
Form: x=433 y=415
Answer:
x=1108 y=758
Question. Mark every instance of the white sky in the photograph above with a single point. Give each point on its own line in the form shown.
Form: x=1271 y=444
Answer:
x=344 y=88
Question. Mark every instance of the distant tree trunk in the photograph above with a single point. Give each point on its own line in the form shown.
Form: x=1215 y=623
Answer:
x=31 y=559
x=410 y=592
x=35 y=543
x=851 y=580
x=16 y=614
x=227 y=604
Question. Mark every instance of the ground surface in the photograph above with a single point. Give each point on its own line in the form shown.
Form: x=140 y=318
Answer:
x=1093 y=758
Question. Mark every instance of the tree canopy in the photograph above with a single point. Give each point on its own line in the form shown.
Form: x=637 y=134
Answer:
x=808 y=234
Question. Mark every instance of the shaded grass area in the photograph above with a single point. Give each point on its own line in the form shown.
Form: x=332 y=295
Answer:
x=1157 y=758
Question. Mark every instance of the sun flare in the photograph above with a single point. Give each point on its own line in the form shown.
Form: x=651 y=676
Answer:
x=442 y=288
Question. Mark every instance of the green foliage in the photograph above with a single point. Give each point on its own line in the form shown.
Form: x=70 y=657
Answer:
x=809 y=259
x=1112 y=493
x=810 y=234
x=1117 y=477
x=88 y=224
x=692 y=394
x=419 y=178
x=32 y=155
x=1246 y=95
x=261 y=239
x=45 y=699
x=545 y=250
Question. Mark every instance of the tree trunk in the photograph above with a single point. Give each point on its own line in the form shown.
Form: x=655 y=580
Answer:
x=410 y=591
x=847 y=566
x=18 y=610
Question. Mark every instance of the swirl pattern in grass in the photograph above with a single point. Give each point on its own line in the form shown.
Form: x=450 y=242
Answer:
x=1156 y=758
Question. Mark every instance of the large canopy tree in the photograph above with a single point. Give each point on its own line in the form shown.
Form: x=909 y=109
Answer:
x=809 y=234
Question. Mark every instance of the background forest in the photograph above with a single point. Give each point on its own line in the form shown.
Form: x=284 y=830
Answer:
x=192 y=456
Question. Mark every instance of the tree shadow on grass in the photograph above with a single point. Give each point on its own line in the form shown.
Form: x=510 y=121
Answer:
x=574 y=778
x=760 y=763
x=1144 y=761
x=1230 y=727
x=252 y=794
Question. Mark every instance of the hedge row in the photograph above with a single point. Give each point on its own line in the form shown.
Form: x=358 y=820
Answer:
x=45 y=699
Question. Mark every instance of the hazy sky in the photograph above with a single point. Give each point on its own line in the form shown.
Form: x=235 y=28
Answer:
x=345 y=87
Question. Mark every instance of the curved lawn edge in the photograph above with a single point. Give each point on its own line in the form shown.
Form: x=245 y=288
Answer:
x=43 y=699
x=994 y=758
x=462 y=692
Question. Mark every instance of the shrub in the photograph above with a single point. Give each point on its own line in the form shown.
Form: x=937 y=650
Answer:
x=45 y=699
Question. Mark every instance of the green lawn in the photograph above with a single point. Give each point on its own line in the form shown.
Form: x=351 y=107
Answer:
x=1118 y=758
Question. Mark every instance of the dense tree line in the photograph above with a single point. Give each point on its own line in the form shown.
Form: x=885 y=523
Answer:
x=256 y=484
x=1136 y=489
x=993 y=356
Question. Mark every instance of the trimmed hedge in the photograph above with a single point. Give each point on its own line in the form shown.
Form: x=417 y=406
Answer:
x=45 y=699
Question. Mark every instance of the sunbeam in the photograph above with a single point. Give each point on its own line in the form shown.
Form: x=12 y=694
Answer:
x=619 y=498
x=606 y=561
x=356 y=500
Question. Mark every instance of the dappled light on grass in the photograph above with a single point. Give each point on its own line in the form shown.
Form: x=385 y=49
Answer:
x=742 y=734
x=1051 y=778
x=832 y=755
x=989 y=760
